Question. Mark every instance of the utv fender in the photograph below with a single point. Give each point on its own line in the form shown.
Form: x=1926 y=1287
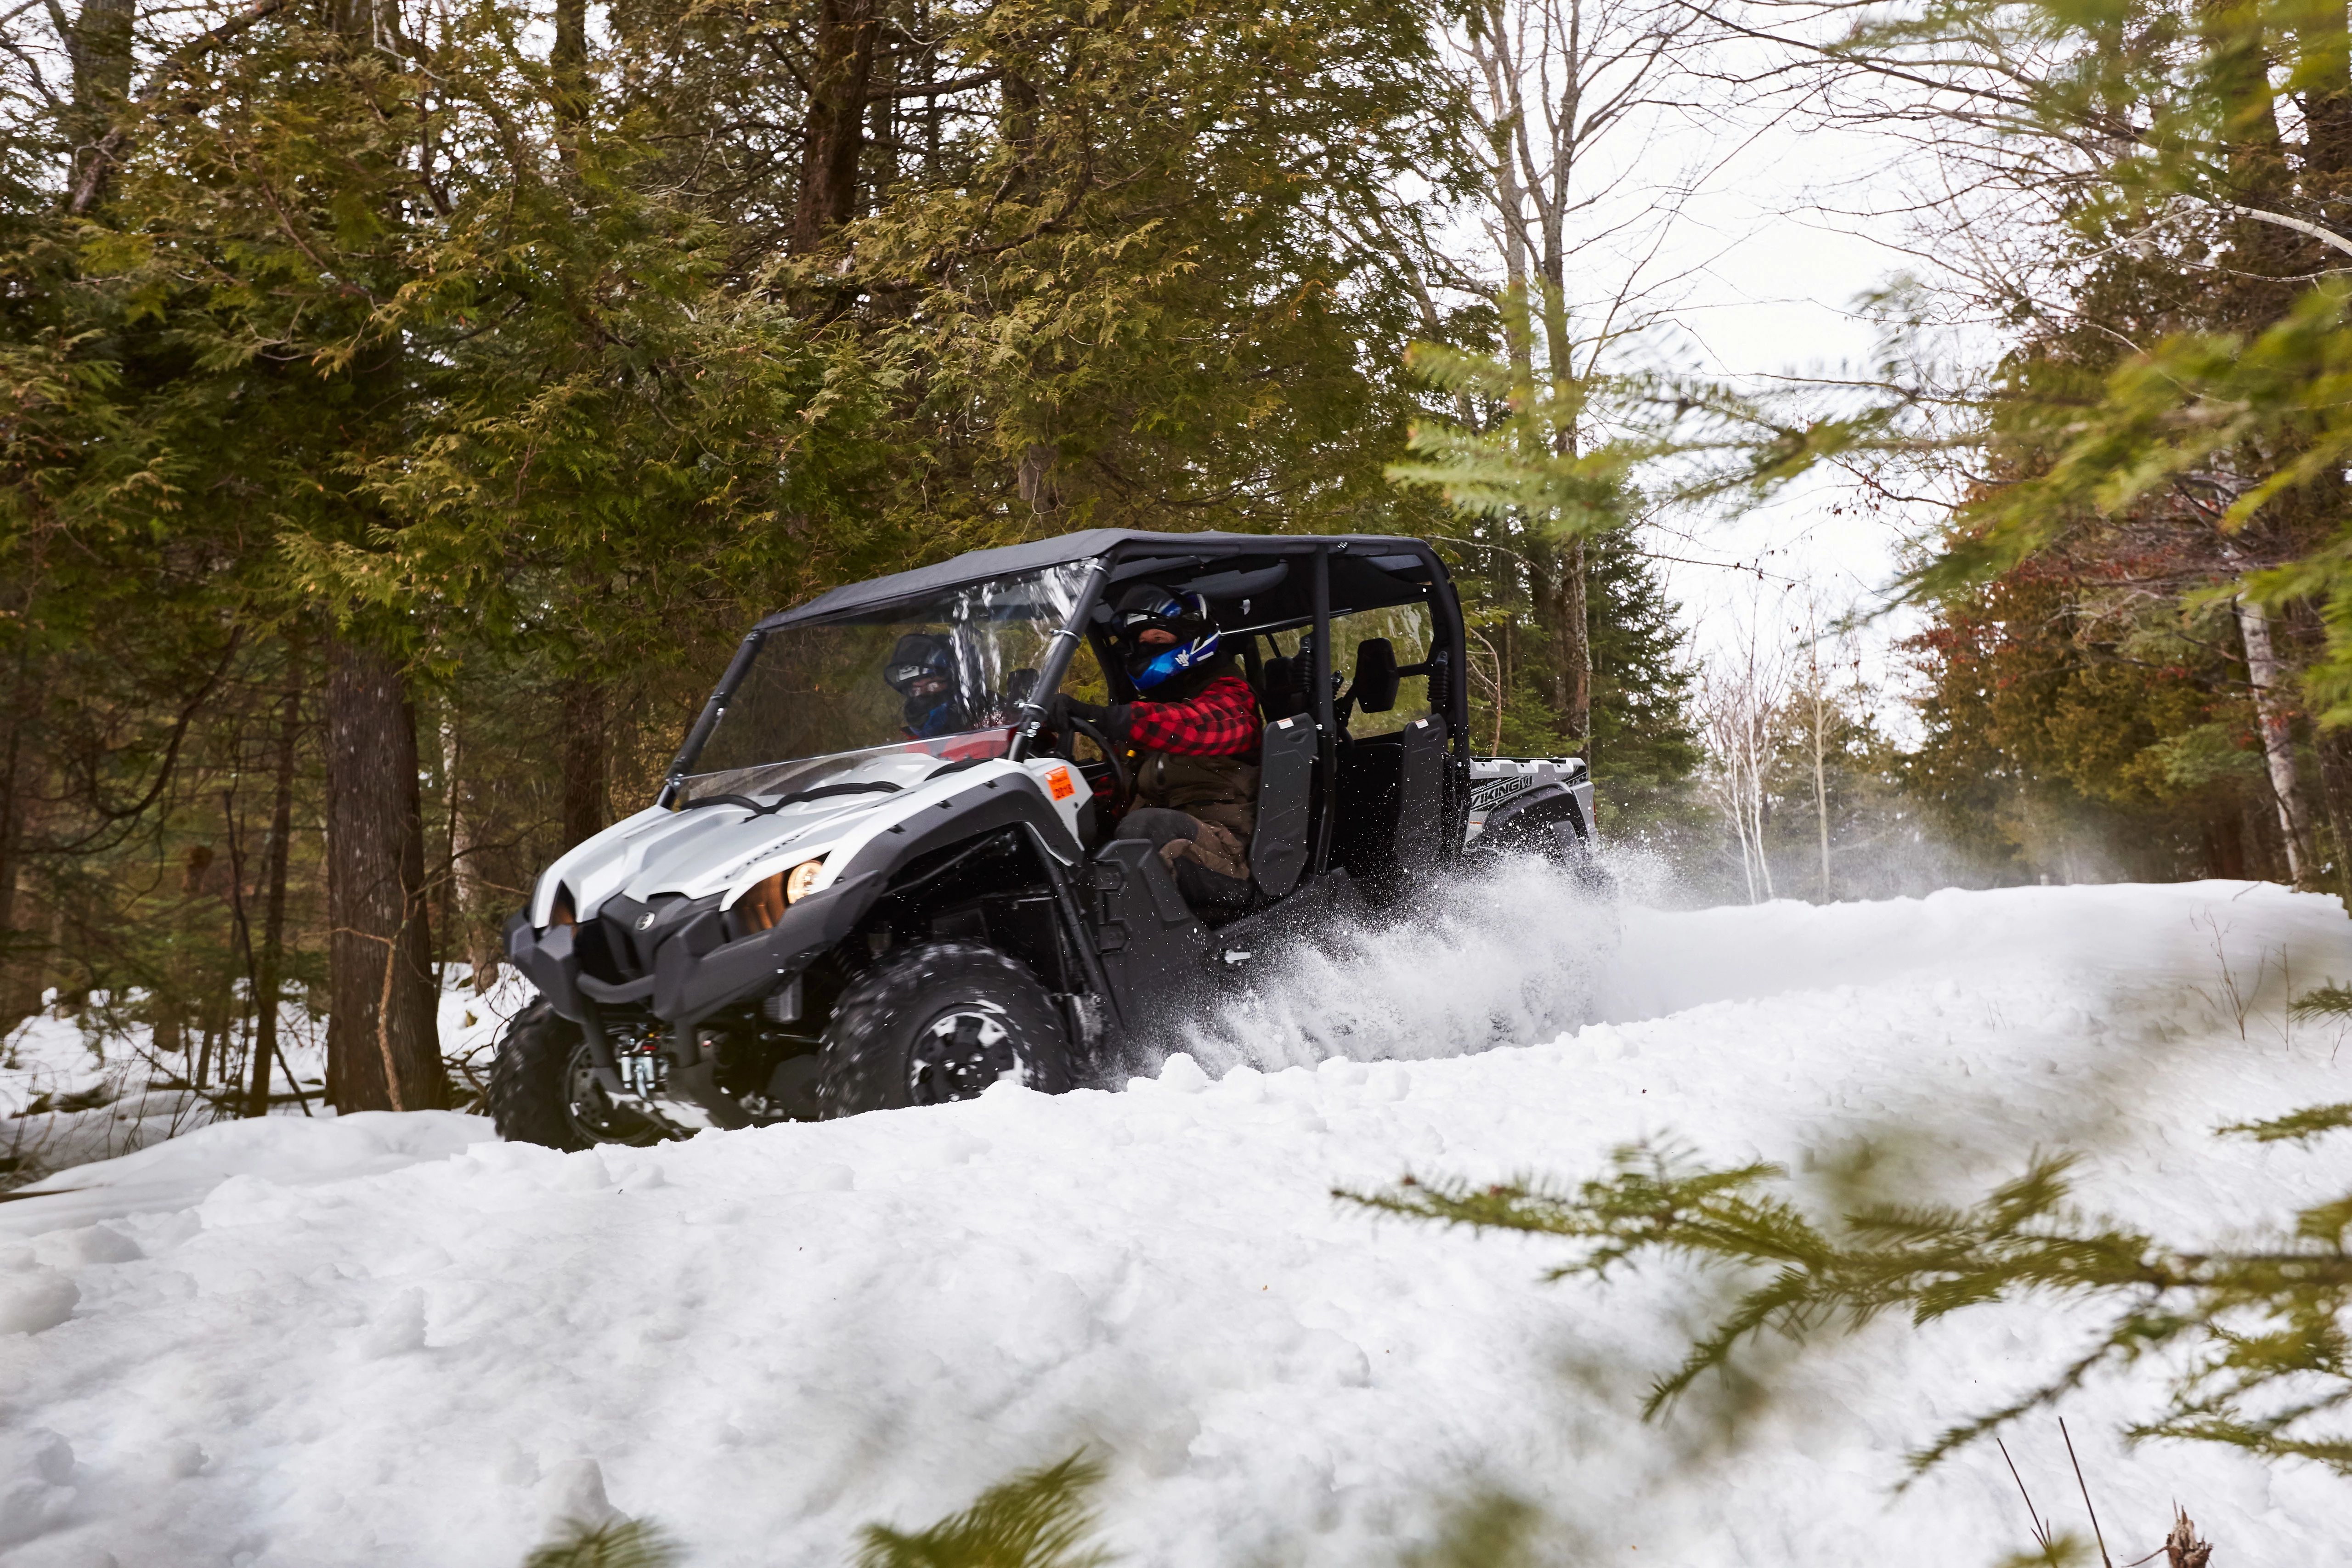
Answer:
x=1522 y=821
x=695 y=975
x=1011 y=799
x=690 y=985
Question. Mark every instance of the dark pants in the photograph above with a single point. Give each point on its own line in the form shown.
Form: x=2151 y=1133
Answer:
x=1201 y=888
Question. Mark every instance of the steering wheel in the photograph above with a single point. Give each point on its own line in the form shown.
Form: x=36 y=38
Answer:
x=1122 y=788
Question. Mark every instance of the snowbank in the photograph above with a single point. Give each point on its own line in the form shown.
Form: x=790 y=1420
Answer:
x=77 y=1091
x=385 y=1340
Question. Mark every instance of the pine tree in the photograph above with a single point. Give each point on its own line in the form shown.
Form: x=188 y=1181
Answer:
x=1643 y=733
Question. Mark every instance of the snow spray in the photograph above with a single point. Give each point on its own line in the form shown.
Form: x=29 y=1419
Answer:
x=1511 y=956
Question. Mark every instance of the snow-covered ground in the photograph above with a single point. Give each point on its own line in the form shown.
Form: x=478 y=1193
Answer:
x=391 y=1339
x=80 y=1088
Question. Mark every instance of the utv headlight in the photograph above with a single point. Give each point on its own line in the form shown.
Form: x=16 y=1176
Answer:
x=762 y=903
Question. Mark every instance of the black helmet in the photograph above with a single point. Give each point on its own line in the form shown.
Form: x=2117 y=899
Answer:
x=918 y=656
x=1184 y=616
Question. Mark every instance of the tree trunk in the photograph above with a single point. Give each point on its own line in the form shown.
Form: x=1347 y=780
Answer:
x=2239 y=67
x=2326 y=72
x=266 y=984
x=1822 y=777
x=1557 y=579
x=1580 y=648
x=568 y=61
x=356 y=20
x=382 y=1046
x=20 y=990
x=100 y=46
x=2276 y=721
x=466 y=890
x=2225 y=850
x=586 y=760
x=2335 y=750
x=832 y=132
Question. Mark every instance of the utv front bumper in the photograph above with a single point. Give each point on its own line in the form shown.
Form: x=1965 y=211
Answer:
x=676 y=959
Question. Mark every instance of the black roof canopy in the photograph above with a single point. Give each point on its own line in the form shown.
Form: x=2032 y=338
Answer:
x=1368 y=570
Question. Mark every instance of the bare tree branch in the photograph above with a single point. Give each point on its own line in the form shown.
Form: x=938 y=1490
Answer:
x=117 y=141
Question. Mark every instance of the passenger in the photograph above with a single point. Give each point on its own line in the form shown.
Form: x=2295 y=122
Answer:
x=1195 y=739
x=922 y=670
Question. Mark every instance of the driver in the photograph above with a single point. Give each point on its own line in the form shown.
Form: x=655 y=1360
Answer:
x=921 y=669
x=1193 y=735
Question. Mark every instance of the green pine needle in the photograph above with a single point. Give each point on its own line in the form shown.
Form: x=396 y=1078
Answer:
x=622 y=1543
x=2308 y=1123
x=2269 y=1368
x=1492 y=1530
x=2327 y=1002
x=1038 y=1519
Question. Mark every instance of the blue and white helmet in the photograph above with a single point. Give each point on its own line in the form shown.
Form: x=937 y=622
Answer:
x=1184 y=616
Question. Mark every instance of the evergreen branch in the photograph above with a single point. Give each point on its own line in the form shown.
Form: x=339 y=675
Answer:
x=110 y=147
x=2269 y=1320
x=2309 y=1122
x=2327 y=1002
x=1039 y=1520
x=620 y=1543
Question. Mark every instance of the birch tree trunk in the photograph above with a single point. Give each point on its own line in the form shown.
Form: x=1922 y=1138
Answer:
x=1739 y=703
x=1817 y=699
x=2278 y=736
x=1820 y=782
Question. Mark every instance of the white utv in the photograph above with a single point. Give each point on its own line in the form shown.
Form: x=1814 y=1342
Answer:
x=829 y=909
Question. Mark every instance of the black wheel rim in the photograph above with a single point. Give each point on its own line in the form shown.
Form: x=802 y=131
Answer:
x=963 y=1048
x=589 y=1116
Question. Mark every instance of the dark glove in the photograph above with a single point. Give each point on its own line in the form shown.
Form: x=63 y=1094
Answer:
x=1065 y=707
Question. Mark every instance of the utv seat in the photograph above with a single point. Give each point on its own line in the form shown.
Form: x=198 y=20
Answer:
x=1282 y=695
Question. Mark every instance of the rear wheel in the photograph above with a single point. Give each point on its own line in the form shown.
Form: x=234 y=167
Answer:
x=938 y=1022
x=543 y=1088
x=1572 y=850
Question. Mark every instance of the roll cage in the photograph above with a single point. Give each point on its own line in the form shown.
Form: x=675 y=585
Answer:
x=1256 y=586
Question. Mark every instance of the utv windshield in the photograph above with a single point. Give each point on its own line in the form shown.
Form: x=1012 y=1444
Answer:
x=943 y=677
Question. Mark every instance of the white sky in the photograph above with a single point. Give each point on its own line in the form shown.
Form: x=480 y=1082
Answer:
x=1775 y=292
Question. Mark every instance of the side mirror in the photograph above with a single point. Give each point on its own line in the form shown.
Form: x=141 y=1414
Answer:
x=1376 y=676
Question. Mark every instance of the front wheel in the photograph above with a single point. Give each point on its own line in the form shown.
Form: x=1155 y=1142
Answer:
x=936 y=1022
x=543 y=1088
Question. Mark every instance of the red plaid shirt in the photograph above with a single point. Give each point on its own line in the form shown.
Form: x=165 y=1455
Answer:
x=1222 y=721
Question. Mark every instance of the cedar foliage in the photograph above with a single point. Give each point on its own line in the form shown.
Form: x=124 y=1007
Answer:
x=535 y=381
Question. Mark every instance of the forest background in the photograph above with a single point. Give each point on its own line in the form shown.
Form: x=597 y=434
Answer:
x=408 y=405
